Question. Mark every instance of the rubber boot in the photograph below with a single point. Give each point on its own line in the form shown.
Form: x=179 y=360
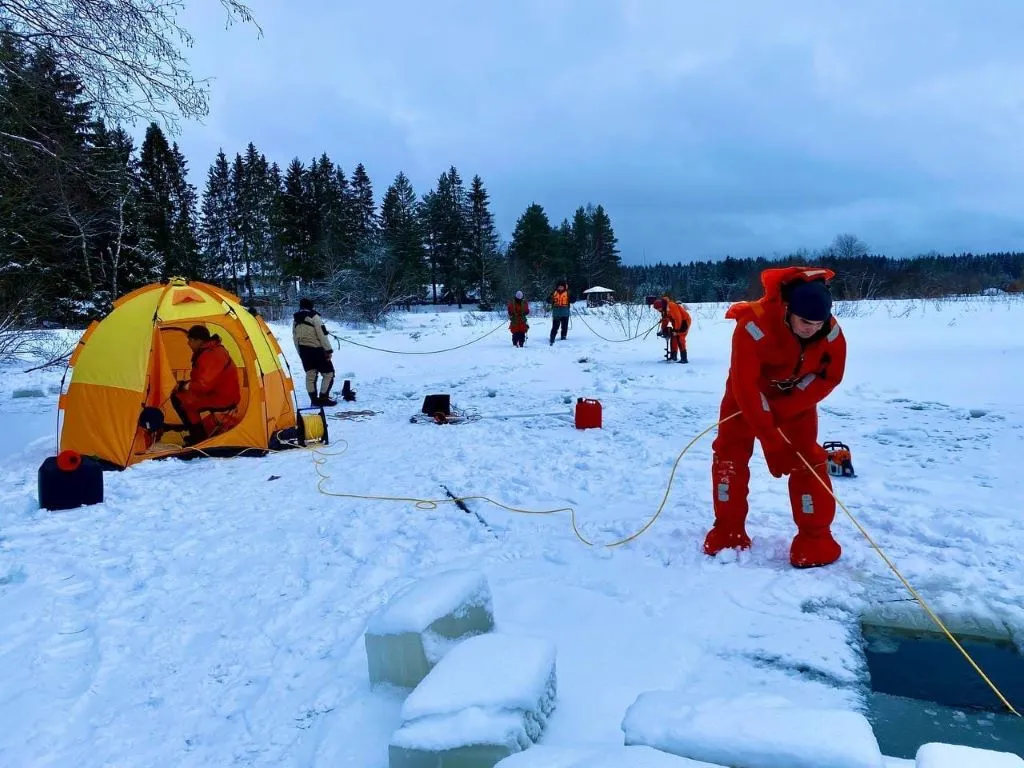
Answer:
x=814 y=509
x=314 y=399
x=682 y=356
x=729 y=491
x=326 y=401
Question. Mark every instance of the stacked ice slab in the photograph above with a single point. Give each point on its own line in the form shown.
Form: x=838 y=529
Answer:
x=422 y=621
x=478 y=696
x=488 y=698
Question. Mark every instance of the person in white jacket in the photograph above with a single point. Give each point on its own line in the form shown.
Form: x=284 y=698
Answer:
x=315 y=352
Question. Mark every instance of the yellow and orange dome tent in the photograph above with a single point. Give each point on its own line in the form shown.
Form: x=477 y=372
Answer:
x=134 y=358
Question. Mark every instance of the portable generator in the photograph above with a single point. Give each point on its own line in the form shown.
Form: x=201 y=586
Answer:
x=840 y=459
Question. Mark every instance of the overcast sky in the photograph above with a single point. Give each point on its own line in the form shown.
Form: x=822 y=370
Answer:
x=740 y=127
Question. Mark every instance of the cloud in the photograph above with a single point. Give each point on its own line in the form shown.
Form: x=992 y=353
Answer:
x=704 y=128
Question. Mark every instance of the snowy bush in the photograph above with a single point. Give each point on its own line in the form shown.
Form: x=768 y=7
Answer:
x=370 y=288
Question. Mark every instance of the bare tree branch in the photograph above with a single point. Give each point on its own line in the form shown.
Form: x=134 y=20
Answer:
x=127 y=53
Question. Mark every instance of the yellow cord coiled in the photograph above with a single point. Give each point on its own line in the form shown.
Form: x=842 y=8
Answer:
x=313 y=427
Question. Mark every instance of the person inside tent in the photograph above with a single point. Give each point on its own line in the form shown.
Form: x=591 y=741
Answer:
x=560 y=310
x=675 y=323
x=518 y=309
x=788 y=354
x=315 y=351
x=212 y=383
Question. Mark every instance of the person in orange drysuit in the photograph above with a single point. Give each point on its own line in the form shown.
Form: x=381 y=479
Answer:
x=213 y=383
x=788 y=354
x=518 y=309
x=675 y=324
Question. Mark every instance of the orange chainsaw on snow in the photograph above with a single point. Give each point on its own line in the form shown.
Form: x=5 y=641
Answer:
x=840 y=459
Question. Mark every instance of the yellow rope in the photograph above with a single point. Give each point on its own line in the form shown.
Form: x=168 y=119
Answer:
x=430 y=504
x=906 y=583
x=313 y=426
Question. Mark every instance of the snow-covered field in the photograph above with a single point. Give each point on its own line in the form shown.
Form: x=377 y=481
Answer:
x=211 y=613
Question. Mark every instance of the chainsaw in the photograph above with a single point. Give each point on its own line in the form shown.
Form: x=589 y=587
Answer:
x=840 y=459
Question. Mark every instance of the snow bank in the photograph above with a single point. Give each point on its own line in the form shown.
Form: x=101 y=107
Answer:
x=607 y=757
x=752 y=731
x=952 y=756
x=490 y=691
x=422 y=622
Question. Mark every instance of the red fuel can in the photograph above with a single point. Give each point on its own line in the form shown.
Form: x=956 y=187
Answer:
x=588 y=413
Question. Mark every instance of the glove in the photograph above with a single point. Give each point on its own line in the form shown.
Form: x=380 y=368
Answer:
x=780 y=457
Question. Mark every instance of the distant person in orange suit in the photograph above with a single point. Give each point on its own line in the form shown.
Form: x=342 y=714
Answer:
x=788 y=354
x=675 y=324
x=518 y=309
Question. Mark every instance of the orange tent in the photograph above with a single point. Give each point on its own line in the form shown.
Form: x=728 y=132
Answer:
x=135 y=357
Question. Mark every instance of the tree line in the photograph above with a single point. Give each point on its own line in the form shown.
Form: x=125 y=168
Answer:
x=859 y=274
x=85 y=218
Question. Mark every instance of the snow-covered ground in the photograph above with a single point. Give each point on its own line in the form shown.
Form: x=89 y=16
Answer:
x=211 y=612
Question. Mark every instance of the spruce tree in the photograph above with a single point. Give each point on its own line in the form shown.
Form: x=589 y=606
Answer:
x=402 y=234
x=155 y=196
x=275 y=272
x=46 y=222
x=484 y=260
x=167 y=206
x=340 y=219
x=185 y=258
x=256 y=197
x=293 y=224
x=241 y=229
x=531 y=247
x=217 y=234
x=607 y=259
x=445 y=218
x=428 y=212
x=327 y=212
x=364 y=209
x=581 y=246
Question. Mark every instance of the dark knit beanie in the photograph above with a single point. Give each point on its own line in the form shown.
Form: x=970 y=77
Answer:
x=199 y=333
x=811 y=301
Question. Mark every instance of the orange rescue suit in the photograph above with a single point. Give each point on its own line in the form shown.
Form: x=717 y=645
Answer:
x=775 y=381
x=676 y=316
x=213 y=382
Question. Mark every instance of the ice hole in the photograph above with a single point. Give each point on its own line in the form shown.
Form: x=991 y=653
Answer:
x=924 y=690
